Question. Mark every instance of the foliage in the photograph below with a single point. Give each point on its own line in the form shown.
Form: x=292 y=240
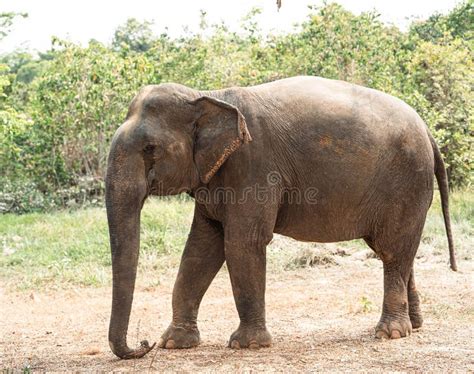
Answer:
x=77 y=104
x=133 y=35
x=444 y=77
x=6 y=21
x=59 y=110
x=366 y=304
x=458 y=23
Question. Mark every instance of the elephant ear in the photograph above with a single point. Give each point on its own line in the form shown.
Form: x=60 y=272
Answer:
x=220 y=130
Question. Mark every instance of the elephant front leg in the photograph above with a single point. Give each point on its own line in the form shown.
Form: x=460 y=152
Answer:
x=246 y=264
x=202 y=258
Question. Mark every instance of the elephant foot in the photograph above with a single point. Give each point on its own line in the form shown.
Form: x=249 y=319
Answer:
x=178 y=337
x=416 y=319
x=393 y=327
x=250 y=337
x=414 y=310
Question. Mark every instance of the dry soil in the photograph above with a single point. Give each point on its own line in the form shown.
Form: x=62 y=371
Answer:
x=321 y=318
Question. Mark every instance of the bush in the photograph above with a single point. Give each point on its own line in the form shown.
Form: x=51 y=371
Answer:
x=444 y=76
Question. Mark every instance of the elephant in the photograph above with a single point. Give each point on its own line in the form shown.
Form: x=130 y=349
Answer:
x=248 y=156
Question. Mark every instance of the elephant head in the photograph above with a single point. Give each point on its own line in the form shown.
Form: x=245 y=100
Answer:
x=173 y=140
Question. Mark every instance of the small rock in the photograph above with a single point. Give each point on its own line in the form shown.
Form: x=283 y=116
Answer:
x=35 y=297
x=91 y=351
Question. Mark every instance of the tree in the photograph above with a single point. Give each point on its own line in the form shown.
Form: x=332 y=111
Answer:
x=133 y=35
x=6 y=20
x=443 y=76
x=459 y=23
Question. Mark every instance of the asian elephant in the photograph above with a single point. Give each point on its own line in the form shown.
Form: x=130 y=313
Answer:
x=310 y=158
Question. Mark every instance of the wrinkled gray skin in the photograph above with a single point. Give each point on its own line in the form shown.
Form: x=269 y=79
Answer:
x=366 y=157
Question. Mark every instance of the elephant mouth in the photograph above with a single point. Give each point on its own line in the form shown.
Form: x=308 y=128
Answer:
x=159 y=190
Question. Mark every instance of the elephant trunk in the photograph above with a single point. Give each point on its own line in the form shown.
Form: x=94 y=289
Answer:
x=125 y=193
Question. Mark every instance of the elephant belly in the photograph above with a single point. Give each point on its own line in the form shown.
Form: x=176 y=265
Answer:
x=314 y=226
x=332 y=213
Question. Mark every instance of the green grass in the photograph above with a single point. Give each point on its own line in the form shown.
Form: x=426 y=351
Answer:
x=64 y=248
x=61 y=248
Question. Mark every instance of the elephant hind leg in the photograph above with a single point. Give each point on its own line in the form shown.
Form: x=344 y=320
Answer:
x=401 y=304
x=395 y=321
x=414 y=310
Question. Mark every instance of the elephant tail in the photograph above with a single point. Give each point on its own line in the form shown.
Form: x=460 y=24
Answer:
x=442 y=178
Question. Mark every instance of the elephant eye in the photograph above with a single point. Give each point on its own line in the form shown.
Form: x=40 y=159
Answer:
x=149 y=149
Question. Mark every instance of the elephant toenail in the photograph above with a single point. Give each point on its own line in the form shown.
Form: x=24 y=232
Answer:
x=161 y=343
x=381 y=335
x=235 y=344
x=254 y=345
x=396 y=334
x=170 y=344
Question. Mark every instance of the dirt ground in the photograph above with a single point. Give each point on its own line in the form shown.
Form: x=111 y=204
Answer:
x=321 y=319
